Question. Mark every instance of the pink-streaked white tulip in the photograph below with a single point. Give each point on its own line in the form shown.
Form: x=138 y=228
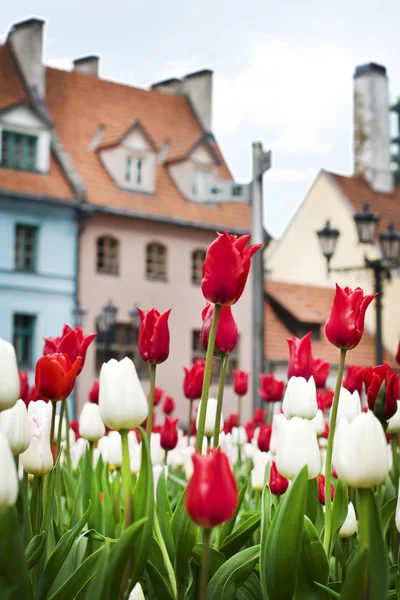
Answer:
x=38 y=459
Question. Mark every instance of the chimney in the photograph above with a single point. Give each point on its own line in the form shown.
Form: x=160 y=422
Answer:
x=87 y=64
x=25 y=40
x=197 y=87
x=371 y=126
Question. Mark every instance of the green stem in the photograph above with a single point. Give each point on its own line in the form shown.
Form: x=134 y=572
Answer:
x=329 y=451
x=39 y=505
x=395 y=467
x=345 y=553
x=60 y=422
x=67 y=426
x=220 y=397
x=207 y=378
x=151 y=401
x=205 y=565
x=167 y=562
x=53 y=422
x=190 y=416
x=126 y=478
x=239 y=410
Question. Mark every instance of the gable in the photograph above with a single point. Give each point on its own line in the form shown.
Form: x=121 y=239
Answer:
x=22 y=117
x=202 y=156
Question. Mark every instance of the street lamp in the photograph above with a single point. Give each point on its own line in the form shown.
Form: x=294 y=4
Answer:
x=79 y=315
x=135 y=317
x=366 y=224
x=106 y=324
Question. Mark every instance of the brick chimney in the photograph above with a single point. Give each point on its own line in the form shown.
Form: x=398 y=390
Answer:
x=87 y=64
x=25 y=40
x=371 y=126
x=197 y=87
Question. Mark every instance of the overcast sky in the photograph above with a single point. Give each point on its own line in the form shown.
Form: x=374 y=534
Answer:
x=283 y=71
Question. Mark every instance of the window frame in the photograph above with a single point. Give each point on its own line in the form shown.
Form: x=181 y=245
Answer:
x=19 y=146
x=196 y=270
x=134 y=167
x=107 y=258
x=160 y=273
x=120 y=347
x=198 y=191
x=20 y=249
x=20 y=330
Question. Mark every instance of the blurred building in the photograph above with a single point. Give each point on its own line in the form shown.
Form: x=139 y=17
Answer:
x=297 y=270
x=129 y=169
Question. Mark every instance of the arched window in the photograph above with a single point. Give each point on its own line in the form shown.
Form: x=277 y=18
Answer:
x=198 y=258
x=107 y=255
x=156 y=262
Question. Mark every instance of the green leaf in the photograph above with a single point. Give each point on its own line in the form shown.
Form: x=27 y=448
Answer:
x=387 y=512
x=14 y=578
x=282 y=559
x=339 y=511
x=97 y=585
x=34 y=550
x=251 y=589
x=143 y=507
x=79 y=578
x=233 y=573
x=240 y=536
x=353 y=586
x=165 y=515
x=185 y=534
x=329 y=591
x=162 y=590
x=216 y=558
x=58 y=557
x=314 y=565
x=227 y=528
x=312 y=500
x=266 y=518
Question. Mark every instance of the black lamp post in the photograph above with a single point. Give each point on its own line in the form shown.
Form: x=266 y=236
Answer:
x=106 y=325
x=367 y=223
x=135 y=317
x=79 y=315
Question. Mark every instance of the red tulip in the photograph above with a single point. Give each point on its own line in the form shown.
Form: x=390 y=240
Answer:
x=226 y=268
x=259 y=416
x=34 y=395
x=227 y=333
x=321 y=370
x=300 y=357
x=169 y=405
x=94 y=392
x=153 y=339
x=74 y=425
x=158 y=394
x=211 y=494
x=325 y=434
x=72 y=342
x=169 y=434
x=24 y=386
x=277 y=484
x=240 y=382
x=271 y=389
x=193 y=382
x=325 y=399
x=249 y=428
x=321 y=489
x=55 y=375
x=345 y=324
x=373 y=379
x=354 y=378
x=231 y=422
x=264 y=437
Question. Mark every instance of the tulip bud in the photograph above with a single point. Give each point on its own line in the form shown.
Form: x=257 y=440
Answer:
x=94 y=392
x=239 y=436
x=210 y=417
x=156 y=451
x=321 y=370
x=169 y=434
x=300 y=398
x=40 y=408
x=298 y=446
x=301 y=361
x=278 y=422
x=8 y=475
x=360 y=451
x=264 y=437
x=153 y=339
x=394 y=422
x=345 y=324
x=137 y=593
x=122 y=400
x=321 y=489
x=349 y=405
x=38 y=459
x=277 y=484
x=349 y=527
x=271 y=389
x=260 y=461
x=187 y=461
x=169 y=405
x=14 y=425
x=354 y=378
x=10 y=385
x=55 y=375
x=240 y=382
x=319 y=422
x=114 y=449
x=91 y=427
x=135 y=459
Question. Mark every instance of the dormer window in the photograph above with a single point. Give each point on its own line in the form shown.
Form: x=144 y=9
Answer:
x=18 y=151
x=134 y=170
x=201 y=182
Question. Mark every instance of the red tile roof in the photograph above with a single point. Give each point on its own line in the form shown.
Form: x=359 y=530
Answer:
x=299 y=300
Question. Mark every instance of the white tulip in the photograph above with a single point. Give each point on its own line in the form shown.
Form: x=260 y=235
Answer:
x=260 y=461
x=136 y=593
x=10 y=386
x=249 y=450
x=210 y=417
x=8 y=475
x=157 y=470
x=298 y=446
x=14 y=424
x=175 y=458
x=114 y=449
x=394 y=422
x=91 y=427
x=349 y=405
x=103 y=445
x=300 y=398
x=278 y=422
x=225 y=443
x=135 y=455
x=38 y=459
x=122 y=401
x=187 y=454
x=40 y=408
x=349 y=527
x=239 y=436
x=319 y=422
x=157 y=452
x=77 y=451
x=360 y=451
